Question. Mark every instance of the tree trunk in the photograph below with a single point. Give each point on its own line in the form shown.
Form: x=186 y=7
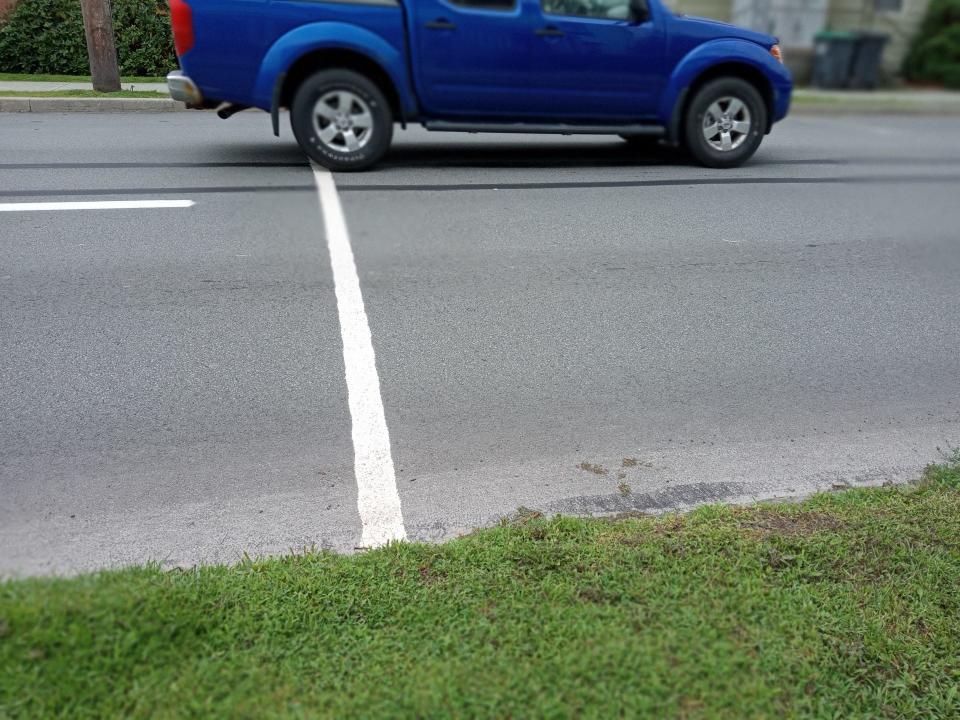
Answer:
x=98 y=26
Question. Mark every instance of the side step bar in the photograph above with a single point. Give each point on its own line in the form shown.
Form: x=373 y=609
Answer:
x=552 y=128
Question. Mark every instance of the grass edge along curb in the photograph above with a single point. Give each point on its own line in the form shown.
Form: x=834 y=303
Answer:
x=813 y=104
x=841 y=605
x=87 y=94
x=23 y=104
x=40 y=77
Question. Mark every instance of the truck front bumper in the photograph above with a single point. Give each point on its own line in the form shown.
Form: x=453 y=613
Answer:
x=184 y=90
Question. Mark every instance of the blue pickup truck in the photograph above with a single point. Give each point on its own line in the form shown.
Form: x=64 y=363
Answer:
x=349 y=70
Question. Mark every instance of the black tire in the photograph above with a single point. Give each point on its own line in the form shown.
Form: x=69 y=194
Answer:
x=326 y=153
x=716 y=90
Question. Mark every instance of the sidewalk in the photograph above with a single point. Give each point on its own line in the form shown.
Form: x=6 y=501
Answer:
x=30 y=86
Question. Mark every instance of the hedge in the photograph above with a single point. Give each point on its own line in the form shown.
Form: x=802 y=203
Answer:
x=46 y=36
x=935 y=53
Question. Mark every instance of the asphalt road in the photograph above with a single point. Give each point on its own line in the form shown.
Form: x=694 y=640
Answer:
x=172 y=380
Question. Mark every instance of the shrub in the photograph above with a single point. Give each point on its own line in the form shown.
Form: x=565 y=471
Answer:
x=46 y=36
x=935 y=53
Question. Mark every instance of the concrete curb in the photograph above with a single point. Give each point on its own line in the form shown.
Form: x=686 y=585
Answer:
x=100 y=105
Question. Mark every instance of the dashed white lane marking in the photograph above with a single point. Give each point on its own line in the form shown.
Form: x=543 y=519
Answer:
x=96 y=205
x=377 y=498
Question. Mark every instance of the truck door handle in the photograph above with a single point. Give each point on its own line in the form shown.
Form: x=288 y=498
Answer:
x=440 y=24
x=548 y=31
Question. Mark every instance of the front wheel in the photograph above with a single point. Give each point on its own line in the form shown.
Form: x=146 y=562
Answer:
x=725 y=123
x=341 y=120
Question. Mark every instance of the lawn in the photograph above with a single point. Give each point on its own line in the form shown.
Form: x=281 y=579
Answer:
x=86 y=94
x=864 y=102
x=846 y=605
x=857 y=101
x=10 y=77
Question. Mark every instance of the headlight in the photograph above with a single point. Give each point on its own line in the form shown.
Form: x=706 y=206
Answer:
x=775 y=51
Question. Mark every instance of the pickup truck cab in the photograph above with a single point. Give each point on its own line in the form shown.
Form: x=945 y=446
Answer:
x=348 y=70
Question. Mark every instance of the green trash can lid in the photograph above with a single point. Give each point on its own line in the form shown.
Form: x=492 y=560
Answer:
x=836 y=35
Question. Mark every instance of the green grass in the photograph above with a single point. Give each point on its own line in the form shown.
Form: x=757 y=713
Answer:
x=11 y=77
x=86 y=94
x=852 y=100
x=867 y=103
x=844 y=606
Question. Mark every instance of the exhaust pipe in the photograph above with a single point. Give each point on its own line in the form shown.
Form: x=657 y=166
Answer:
x=229 y=110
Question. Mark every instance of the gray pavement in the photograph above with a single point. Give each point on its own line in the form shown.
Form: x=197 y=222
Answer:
x=172 y=384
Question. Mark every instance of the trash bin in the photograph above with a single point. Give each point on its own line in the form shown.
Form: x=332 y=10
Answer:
x=865 y=72
x=834 y=53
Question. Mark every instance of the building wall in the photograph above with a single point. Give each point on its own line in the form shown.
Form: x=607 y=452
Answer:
x=716 y=9
x=791 y=19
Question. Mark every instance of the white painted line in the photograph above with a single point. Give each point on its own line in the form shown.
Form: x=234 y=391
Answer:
x=377 y=498
x=95 y=205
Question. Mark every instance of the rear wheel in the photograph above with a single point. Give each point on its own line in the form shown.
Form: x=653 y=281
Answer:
x=341 y=120
x=725 y=123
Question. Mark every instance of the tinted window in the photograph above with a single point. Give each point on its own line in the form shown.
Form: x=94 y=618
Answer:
x=610 y=9
x=486 y=4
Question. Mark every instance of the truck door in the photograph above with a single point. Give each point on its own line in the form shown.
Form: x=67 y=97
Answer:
x=471 y=57
x=597 y=60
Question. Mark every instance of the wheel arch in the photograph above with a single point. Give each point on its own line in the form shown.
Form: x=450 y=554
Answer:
x=722 y=58
x=340 y=58
x=329 y=45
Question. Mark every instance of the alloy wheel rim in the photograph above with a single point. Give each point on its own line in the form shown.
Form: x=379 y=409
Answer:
x=342 y=121
x=726 y=124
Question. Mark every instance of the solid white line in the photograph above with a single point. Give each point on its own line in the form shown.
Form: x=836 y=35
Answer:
x=377 y=498
x=96 y=205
